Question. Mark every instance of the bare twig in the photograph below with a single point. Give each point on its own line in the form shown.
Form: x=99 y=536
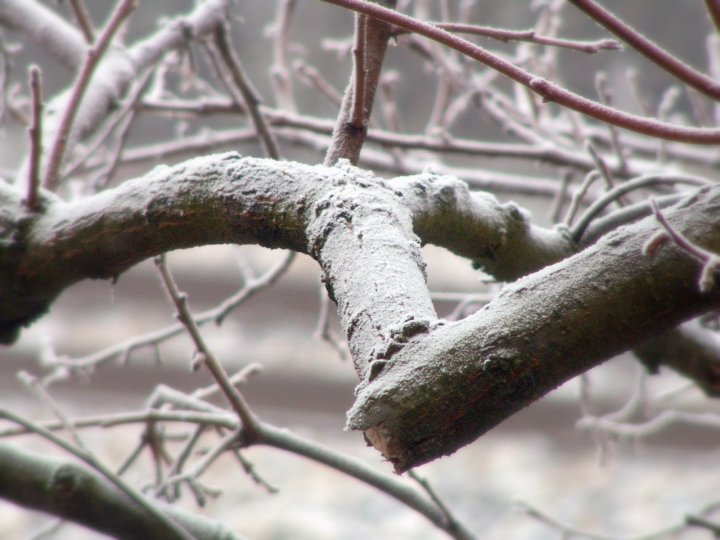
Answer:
x=280 y=72
x=357 y=116
x=713 y=8
x=710 y=261
x=606 y=98
x=547 y=90
x=138 y=498
x=676 y=67
x=348 y=137
x=35 y=131
x=640 y=182
x=206 y=357
x=83 y=19
x=590 y=47
x=249 y=95
x=94 y=54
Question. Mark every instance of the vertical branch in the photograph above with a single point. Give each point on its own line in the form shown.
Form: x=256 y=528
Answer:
x=358 y=117
x=605 y=97
x=280 y=72
x=35 y=132
x=92 y=58
x=348 y=138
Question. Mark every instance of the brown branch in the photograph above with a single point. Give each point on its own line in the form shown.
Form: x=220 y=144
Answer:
x=348 y=138
x=501 y=34
x=250 y=423
x=546 y=89
x=357 y=117
x=35 y=131
x=676 y=67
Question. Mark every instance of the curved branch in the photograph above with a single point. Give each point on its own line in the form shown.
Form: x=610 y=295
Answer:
x=546 y=89
x=343 y=216
x=679 y=69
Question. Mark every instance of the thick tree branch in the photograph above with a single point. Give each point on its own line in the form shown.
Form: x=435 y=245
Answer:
x=428 y=387
x=65 y=489
x=446 y=389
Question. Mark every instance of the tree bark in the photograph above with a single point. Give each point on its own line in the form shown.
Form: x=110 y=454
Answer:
x=427 y=387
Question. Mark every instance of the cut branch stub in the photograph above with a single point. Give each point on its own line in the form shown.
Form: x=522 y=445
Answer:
x=457 y=382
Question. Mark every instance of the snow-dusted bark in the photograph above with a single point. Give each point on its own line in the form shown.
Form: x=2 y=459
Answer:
x=428 y=387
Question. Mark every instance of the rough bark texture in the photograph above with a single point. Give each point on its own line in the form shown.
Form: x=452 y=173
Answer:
x=428 y=387
x=450 y=387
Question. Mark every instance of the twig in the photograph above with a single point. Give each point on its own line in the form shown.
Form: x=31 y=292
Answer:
x=357 y=116
x=452 y=523
x=35 y=131
x=281 y=75
x=83 y=19
x=577 y=198
x=608 y=197
x=710 y=261
x=314 y=79
x=546 y=89
x=348 y=137
x=705 y=523
x=679 y=69
x=92 y=58
x=249 y=95
x=205 y=356
x=216 y=314
x=590 y=47
x=88 y=458
x=568 y=530
x=36 y=385
x=600 y=165
x=606 y=98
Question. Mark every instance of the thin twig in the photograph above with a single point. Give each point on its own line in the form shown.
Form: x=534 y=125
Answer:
x=547 y=90
x=606 y=98
x=92 y=58
x=35 y=131
x=232 y=394
x=676 y=67
x=216 y=314
x=250 y=96
x=713 y=8
x=357 y=116
x=280 y=72
x=608 y=197
x=501 y=34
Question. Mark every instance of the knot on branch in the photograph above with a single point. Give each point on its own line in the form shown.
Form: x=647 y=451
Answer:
x=396 y=338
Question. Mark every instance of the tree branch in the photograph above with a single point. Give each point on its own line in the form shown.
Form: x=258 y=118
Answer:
x=454 y=384
x=63 y=488
x=547 y=90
